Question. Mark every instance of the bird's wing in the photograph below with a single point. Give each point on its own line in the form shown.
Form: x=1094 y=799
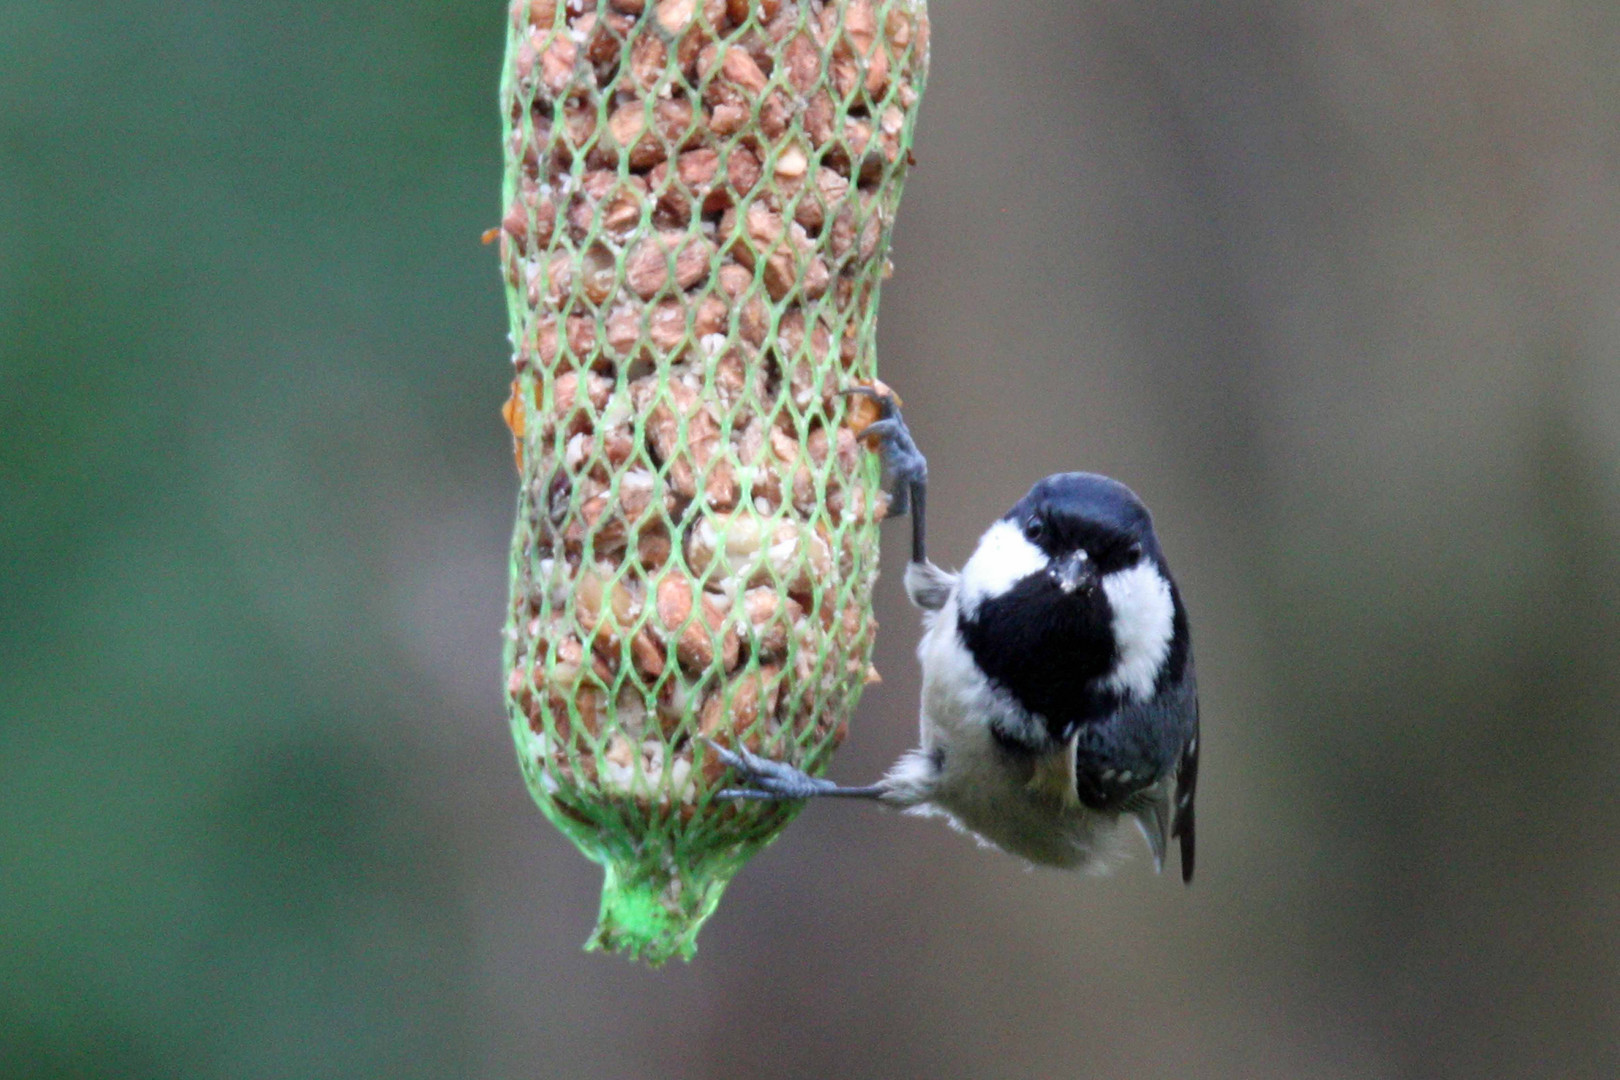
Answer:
x=1186 y=788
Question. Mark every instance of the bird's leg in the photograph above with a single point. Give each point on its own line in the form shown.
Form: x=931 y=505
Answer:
x=907 y=470
x=903 y=463
x=777 y=780
x=927 y=585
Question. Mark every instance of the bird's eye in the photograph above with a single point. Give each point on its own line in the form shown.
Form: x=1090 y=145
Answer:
x=1034 y=529
x=1133 y=554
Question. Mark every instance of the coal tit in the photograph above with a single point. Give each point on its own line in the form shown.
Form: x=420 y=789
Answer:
x=1059 y=697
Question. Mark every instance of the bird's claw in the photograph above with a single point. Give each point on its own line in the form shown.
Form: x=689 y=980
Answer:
x=771 y=780
x=902 y=461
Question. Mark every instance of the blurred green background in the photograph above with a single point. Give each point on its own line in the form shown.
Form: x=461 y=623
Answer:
x=1335 y=287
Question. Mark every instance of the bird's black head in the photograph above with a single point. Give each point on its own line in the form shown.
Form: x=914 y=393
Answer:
x=1086 y=524
x=1067 y=605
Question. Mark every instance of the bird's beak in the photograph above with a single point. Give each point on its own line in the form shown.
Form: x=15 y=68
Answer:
x=1074 y=571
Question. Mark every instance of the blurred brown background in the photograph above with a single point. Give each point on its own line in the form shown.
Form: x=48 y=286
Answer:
x=1334 y=287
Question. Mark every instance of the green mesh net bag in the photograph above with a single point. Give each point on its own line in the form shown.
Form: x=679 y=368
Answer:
x=699 y=196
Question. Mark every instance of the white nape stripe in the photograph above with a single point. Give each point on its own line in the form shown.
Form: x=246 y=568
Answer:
x=1144 y=622
x=1002 y=559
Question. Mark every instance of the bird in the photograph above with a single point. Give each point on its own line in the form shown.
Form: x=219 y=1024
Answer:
x=1059 y=697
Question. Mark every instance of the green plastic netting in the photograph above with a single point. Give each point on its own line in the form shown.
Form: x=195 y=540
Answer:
x=699 y=196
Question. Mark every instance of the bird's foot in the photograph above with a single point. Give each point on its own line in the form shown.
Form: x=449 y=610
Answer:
x=904 y=464
x=770 y=779
x=777 y=780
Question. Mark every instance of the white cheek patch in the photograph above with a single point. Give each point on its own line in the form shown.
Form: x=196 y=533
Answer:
x=1002 y=559
x=1144 y=622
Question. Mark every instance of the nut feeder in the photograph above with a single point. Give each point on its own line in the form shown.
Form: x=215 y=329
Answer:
x=698 y=196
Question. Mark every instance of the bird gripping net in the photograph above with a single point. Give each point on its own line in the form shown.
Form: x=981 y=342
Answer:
x=698 y=197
